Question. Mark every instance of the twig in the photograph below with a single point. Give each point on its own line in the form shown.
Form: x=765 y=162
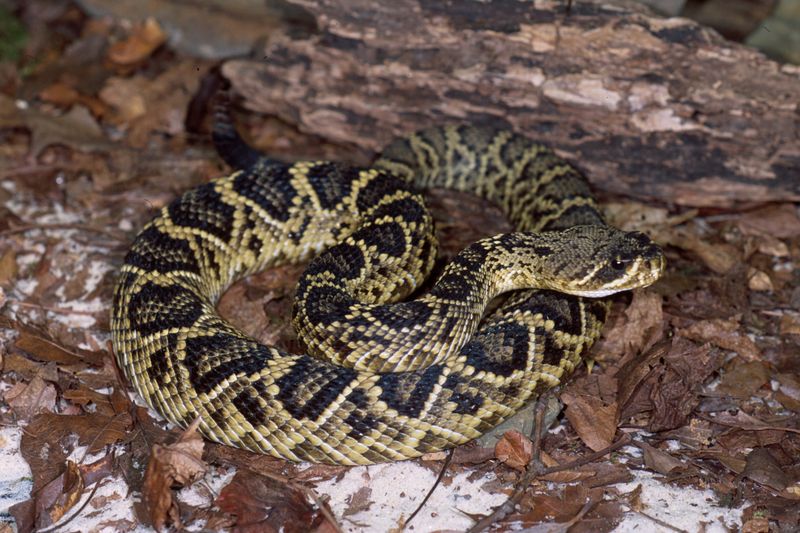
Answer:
x=624 y=441
x=323 y=508
x=575 y=519
x=531 y=474
x=61 y=524
x=305 y=490
x=33 y=169
x=747 y=427
x=659 y=521
x=533 y=470
x=61 y=226
x=433 y=488
x=58 y=310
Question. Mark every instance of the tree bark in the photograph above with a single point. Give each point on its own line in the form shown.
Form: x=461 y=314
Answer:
x=649 y=107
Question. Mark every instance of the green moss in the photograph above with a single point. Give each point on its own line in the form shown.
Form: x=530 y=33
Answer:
x=12 y=36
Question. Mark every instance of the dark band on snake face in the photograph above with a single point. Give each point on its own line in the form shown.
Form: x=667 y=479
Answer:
x=189 y=363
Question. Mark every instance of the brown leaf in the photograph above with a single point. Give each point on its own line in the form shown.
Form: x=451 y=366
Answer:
x=8 y=267
x=85 y=397
x=594 y=421
x=674 y=394
x=514 y=449
x=359 y=501
x=468 y=454
x=262 y=504
x=758 y=524
x=734 y=463
x=723 y=332
x=60 y=93
x=641 y=327
x=143 y=41
x=779 y=221
x=43 y=347
x=94 y=430
x=77 y=128
x=179 y=464
x=719 y=258
x=21 y=365
x=59 y=496
x=255 y=462
x=659 y=460
x=145 y=105
x=43 y=452
x=764 y=469
x=743 y=380
x=27 y=400
x=125 y=95
x=24 y=514
x=759 y=281
x=790 y=324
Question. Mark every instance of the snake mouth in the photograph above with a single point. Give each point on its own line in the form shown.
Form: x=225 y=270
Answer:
x=641 y=273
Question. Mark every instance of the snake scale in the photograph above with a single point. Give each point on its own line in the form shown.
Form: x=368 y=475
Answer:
x=381 y=381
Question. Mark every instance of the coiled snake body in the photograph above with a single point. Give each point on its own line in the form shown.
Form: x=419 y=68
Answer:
x=410 y=378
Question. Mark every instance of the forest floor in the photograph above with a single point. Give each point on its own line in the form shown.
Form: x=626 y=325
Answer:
x=687 y=420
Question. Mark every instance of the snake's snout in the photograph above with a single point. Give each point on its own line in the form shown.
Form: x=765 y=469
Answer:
x=654 y=261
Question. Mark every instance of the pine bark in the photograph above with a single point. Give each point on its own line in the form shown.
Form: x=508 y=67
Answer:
x=646 y=106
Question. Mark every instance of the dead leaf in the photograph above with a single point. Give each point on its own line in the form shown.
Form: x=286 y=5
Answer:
x=659 y=460
x=635 y=216
x=723 y=332
x=152 y=105
x=675 y=393
x=514 y=449
x=262 y=504
x=743 y=380
x=59 y=496
x=93 y=430
x=27 y=400
x=640 y=328
x=125 y=96
x=758 y=524
x=43 y=452
x=779 y=221
x=43 y=347
x=255 y=462
x=178 y=464
x=758 y=280
x=60 y=94
x=790 y=324
x=735 y=464
x=143 y=41
x=664 y=381
x=8 y=267
x=76 y=129
x=772 y=246
x=594 y=421
x=358 y=501
x=718 y=257
x=24 y=514
x=762 y=468
x=469 y=454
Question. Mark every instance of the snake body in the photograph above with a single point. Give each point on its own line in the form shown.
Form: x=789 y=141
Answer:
x=381 y=381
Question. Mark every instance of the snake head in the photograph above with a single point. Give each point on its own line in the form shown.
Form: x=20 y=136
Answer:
x=596 y=261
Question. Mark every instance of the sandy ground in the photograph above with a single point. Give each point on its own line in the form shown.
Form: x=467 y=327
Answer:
x=396 y=488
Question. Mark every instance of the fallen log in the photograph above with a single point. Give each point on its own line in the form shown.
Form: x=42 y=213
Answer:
x=648 y=107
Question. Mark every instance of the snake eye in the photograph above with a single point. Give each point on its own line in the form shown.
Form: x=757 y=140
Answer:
x=618 y=264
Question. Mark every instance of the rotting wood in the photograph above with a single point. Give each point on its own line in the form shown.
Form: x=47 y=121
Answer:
x=649 y=107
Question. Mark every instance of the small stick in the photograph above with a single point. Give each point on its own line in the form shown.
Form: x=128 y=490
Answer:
x=531 y=474
x=433 y=488
x=61 y=226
